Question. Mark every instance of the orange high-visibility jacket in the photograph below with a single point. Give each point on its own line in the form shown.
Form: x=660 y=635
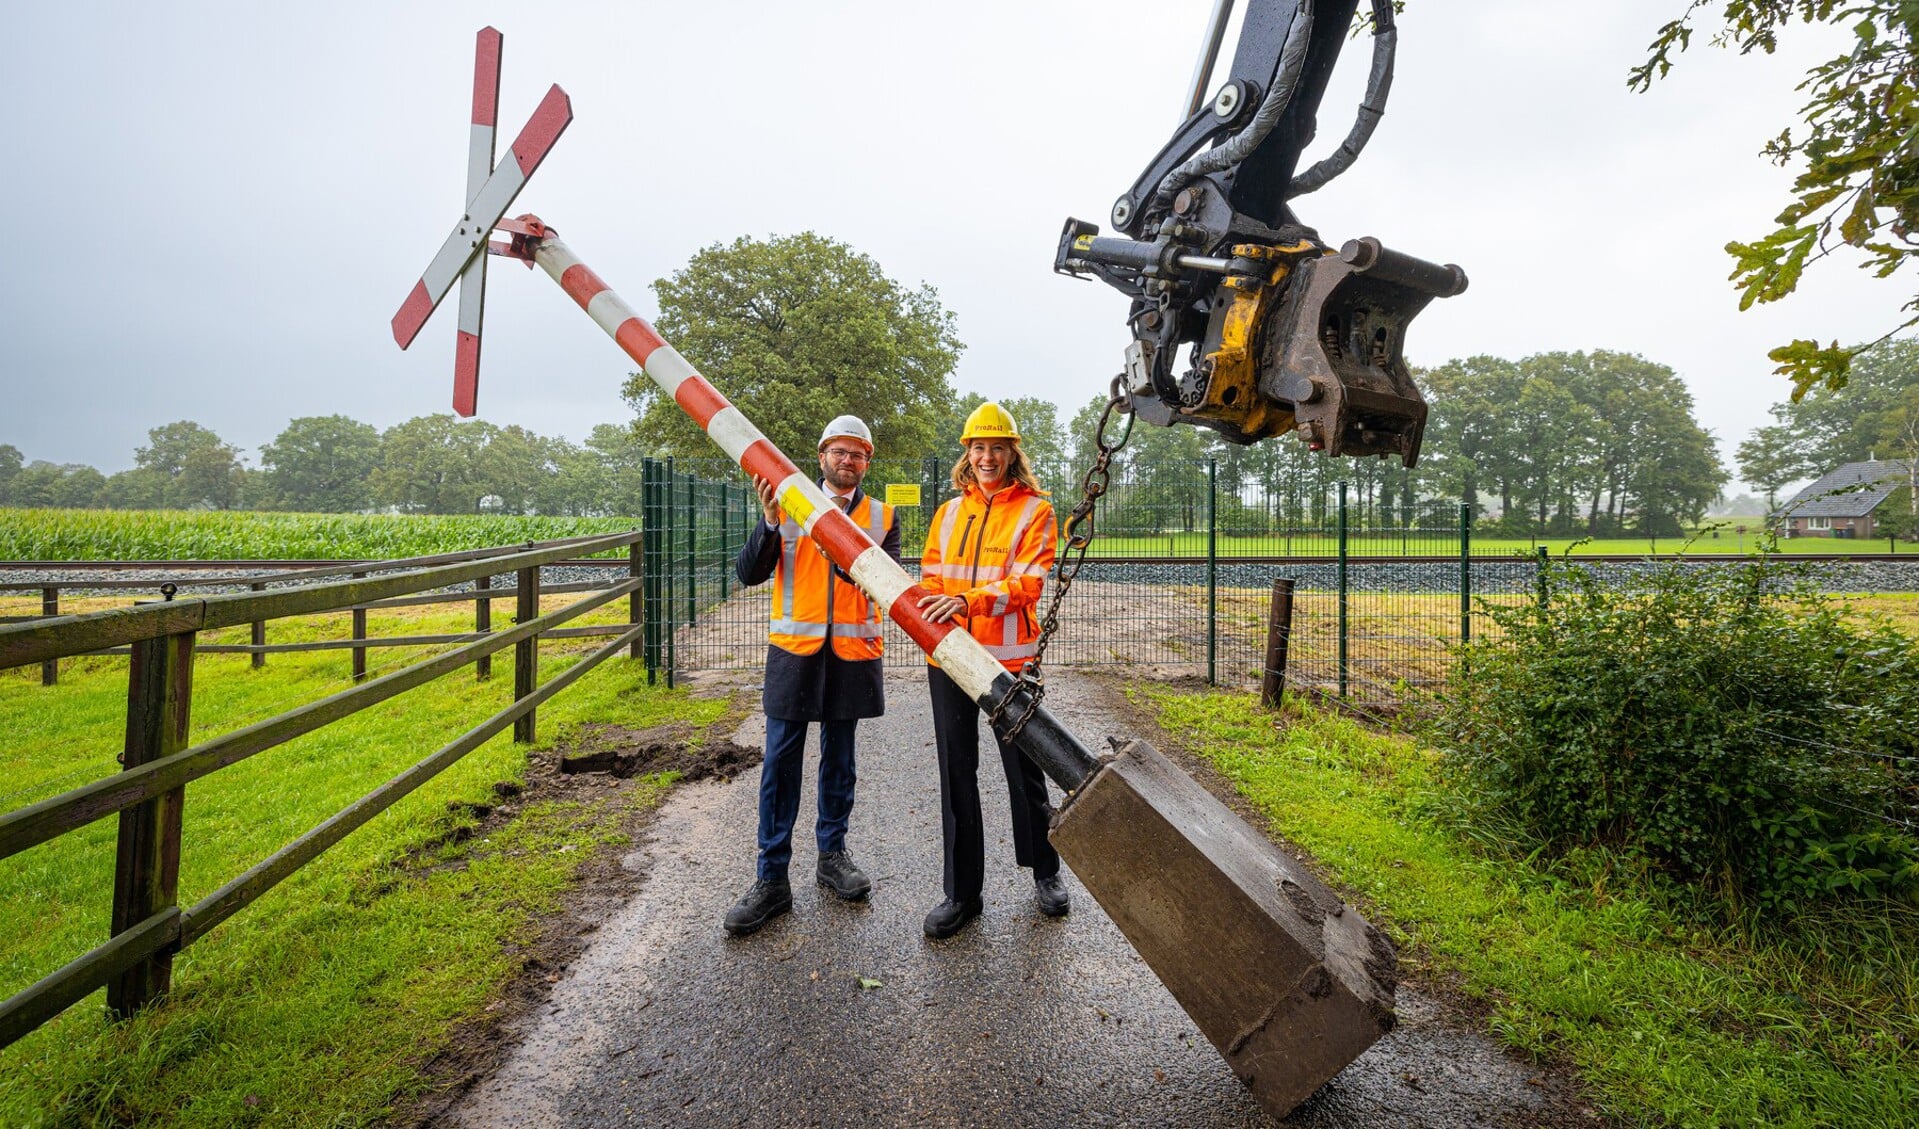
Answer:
x=812 y=599
x=996 y=553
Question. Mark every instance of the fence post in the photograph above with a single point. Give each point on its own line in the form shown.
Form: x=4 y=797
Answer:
x=1344 y=670
x=146 y=874
x=259 y=634
x=526 y=653
x=1212 y=571
x=650 y=572
x=1539 y=576
x=359 y=636
x=692 y=550
x=1279 y=634
x=726 y=541
x=50 y=606
x=667 y=532
x=634 y=570
x=1465 y=572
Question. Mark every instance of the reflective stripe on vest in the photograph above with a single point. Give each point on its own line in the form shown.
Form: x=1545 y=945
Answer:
x=836 y=608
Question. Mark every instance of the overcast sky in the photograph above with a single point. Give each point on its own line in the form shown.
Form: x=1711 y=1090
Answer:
x=215 y=209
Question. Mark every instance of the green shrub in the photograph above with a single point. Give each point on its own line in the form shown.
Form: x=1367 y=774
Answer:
x=1741 y=733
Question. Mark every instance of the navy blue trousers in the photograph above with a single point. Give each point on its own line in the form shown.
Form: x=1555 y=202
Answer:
x=780 y=789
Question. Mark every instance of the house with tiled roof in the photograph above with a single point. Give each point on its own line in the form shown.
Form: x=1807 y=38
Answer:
x=1844 y=502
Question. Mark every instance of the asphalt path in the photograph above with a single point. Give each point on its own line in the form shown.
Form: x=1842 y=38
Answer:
x=844 y=1014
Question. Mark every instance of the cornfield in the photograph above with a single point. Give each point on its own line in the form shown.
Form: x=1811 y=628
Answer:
x=132 y=535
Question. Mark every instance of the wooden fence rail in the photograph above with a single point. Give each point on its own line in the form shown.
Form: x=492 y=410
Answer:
x=148 y=926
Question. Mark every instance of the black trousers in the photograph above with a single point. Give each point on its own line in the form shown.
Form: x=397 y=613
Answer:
x=956 y=721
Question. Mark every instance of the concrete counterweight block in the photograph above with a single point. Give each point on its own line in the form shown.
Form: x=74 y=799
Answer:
x=1287 y=981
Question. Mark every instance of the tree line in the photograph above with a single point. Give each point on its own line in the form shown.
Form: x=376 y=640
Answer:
x=433 y=464
x=801 y=328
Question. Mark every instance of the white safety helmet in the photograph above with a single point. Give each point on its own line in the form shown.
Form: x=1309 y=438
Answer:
x=846 y=427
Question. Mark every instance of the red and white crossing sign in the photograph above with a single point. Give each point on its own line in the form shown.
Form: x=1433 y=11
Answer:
x=490 y=192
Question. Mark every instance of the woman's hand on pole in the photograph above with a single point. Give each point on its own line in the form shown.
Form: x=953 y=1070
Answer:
x=939 y=609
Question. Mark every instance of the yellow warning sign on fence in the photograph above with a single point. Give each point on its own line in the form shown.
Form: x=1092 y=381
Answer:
x=902 y=494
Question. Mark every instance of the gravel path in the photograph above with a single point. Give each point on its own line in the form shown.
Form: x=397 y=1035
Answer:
x=1019 y=1021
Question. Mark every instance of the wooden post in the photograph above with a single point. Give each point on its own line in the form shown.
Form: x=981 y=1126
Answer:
x=359 y=636
x=1279 y=634
x=636 y=570
x=50 y=606
x=259 y=636
x=526 y=653
x=483 y=621
x=146 y=872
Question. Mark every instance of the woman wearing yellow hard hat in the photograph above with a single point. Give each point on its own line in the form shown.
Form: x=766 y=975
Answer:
x=987 y=555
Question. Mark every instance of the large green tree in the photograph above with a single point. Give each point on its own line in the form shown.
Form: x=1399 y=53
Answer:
x=322 y=464
x=1856 y=144
x=1612 y=434
x=201 y=469
x=1466 y=449
x=430 y=464
x=794 y=331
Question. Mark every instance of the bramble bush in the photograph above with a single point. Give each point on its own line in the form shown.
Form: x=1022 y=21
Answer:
x=1742 y=732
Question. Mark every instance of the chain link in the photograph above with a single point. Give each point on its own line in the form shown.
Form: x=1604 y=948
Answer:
x=1079 y=535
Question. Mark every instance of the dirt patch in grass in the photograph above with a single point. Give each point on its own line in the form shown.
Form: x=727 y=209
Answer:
x=625 y=753
x=601 y=766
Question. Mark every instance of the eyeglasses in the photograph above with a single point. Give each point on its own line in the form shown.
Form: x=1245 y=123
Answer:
x=840 y=455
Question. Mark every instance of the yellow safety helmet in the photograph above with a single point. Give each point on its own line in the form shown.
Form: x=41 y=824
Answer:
x=990 y=421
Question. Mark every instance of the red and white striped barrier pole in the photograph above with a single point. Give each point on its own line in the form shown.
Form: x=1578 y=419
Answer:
x=1042 y=738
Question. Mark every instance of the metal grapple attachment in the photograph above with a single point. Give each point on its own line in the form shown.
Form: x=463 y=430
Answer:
x=1285 y=337
x=1331 y=353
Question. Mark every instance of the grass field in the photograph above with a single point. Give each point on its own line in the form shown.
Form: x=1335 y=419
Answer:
x=319 y=1004
x=153 y=535
x=1669 y=1015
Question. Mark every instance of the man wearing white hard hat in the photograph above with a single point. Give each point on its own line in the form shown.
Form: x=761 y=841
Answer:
x=823 y=666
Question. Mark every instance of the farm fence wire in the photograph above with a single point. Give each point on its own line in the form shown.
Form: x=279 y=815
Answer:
x=1177 y=583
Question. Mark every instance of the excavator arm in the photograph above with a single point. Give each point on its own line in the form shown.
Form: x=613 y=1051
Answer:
x=1243 y=319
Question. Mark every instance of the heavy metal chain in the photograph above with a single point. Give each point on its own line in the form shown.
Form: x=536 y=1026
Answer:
x=1079 y=535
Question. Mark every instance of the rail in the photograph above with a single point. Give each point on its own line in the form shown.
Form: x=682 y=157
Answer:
x=148 y=926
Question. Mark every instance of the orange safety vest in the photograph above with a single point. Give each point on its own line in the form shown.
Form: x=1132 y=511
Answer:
x=996 y=552
x=810 y=603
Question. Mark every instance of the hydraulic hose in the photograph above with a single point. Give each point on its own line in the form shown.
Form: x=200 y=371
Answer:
x=1292 y=61
x=1378 y=85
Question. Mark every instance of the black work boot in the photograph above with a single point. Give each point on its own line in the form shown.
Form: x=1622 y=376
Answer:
x=947 y=917
x=838 y=873
x=769 y=898
x=1050 y=893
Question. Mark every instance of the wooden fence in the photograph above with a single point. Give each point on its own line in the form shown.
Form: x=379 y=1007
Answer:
x=148 y=926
